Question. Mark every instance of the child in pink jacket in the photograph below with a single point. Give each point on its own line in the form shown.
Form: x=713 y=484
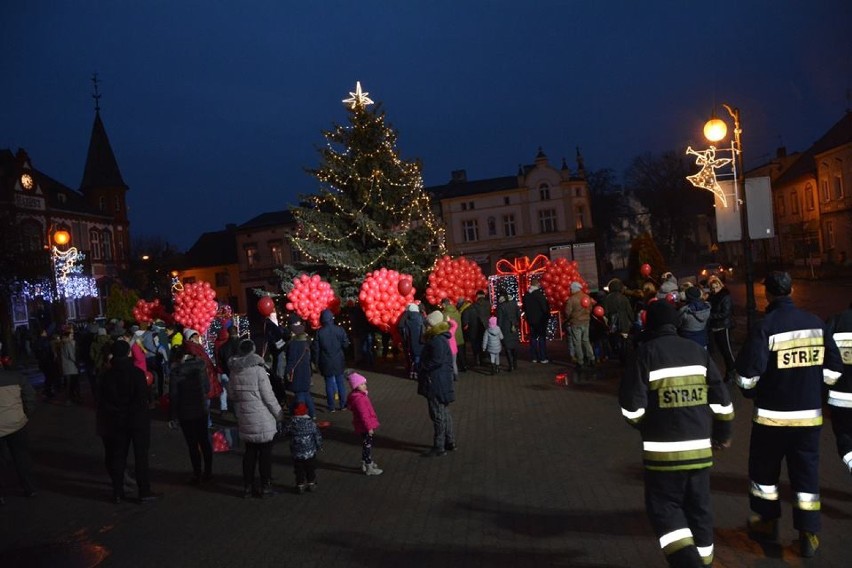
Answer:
x=364 y=419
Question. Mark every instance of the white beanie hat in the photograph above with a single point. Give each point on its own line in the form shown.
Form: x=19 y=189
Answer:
x=435 y=318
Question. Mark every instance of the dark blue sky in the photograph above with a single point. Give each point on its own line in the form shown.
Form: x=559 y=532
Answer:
x=215 y=108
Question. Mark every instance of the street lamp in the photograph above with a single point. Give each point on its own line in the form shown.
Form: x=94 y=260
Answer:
x=715 y=130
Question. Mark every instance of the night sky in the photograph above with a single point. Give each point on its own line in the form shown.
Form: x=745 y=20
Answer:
x=214 y=108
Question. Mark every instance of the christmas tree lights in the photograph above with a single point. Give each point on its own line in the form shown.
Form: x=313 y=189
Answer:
x=372 y=210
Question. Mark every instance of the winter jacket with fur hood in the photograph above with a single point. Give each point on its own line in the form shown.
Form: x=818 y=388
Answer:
x=256 y=407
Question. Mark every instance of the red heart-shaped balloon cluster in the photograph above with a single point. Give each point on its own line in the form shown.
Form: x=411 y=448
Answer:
x=145 y=312
x=455 y=278
x=384 y=296
x=195 y=306
x=557 y=279
x=309 y=297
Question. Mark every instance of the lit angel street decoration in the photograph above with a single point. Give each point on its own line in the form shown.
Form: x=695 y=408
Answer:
x=66 y=263
x=358 y=97
x=706 y=177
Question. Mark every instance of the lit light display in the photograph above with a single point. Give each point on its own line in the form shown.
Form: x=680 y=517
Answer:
x=706 y=177
x=76 y=287
x=358 y=98
x=68 y=272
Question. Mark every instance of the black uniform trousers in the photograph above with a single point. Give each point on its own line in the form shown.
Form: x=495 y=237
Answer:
x=769 y=446
x=678 y=501
x=841 y=425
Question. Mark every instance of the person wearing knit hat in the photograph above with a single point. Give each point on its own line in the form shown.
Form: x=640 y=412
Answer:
x=694 y=316
x=673 y=394
x=364 y=419
x=411 y=327
x=492 y=343
x=435 y=383
x=578 y=313
x=305 y=442
x=434 y=318
x=783 y=367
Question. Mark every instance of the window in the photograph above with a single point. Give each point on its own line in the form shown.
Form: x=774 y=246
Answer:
x=826 y=196
x=276 y=252
x=509 y=225
x=779 y=206
x=547 y=220
x=95 y=244
x=794 y=203
x=829 y=234
x=295 y=255
x=470 y=230
x=31 y=237
x=189 y=280
x=61 y=198
x=578 y=192
x=222 y=280
x=106 y=242
x=581 y=216
x=117 y=204
x=101 y=203
x=544 y=192
x=467 y=206
x=506 y=201
x=251 y=256
x=838 y=186
x=492 y=227
x=809 y=197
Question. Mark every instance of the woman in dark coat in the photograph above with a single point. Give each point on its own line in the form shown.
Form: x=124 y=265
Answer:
x=122 y=419
x=509 y=320
x=328 y=350
x=188 y=387
x=720 y=324
x=436 y=383
x=297 y=373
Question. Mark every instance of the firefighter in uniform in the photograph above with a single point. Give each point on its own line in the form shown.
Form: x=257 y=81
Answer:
x=673 y=393
x=840 y=395
x=782 y=367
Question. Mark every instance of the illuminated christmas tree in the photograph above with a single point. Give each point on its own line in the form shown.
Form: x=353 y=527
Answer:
x=371 y=210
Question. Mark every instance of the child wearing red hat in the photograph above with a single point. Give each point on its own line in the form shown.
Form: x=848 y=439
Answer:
x=305 y=442
x=364 y=419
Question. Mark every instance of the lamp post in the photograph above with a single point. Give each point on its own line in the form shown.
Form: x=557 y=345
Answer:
x=714 y=130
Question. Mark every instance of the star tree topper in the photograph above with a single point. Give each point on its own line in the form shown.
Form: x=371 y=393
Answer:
x=358 y=97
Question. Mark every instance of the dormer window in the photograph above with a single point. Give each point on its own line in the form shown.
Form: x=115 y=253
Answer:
x=544 y=192
x=61 y=198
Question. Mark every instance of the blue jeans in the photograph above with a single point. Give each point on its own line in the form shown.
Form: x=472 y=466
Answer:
x=307 y=399
x=335 y=384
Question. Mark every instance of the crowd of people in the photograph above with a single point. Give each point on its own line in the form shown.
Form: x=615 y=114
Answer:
x=666 y=338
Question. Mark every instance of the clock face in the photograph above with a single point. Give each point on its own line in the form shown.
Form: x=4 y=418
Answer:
x=27 y=181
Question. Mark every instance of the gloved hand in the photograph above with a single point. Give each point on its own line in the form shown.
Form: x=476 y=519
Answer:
x=173 y=424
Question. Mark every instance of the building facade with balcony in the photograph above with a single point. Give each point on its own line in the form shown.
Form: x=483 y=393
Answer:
x=515 y=216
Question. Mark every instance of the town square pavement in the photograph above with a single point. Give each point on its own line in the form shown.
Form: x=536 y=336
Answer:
x=545 y=474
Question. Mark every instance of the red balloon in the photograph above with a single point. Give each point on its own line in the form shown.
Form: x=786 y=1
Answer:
x=404 y=287
x=598 y=311
x=585 y=301
x=645 y=270
x=265 y=306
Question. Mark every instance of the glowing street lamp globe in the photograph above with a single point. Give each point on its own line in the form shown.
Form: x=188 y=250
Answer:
x=715 y=129
x=61 y=237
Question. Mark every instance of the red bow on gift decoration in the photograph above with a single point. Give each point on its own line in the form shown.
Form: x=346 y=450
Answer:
x=523 y=268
